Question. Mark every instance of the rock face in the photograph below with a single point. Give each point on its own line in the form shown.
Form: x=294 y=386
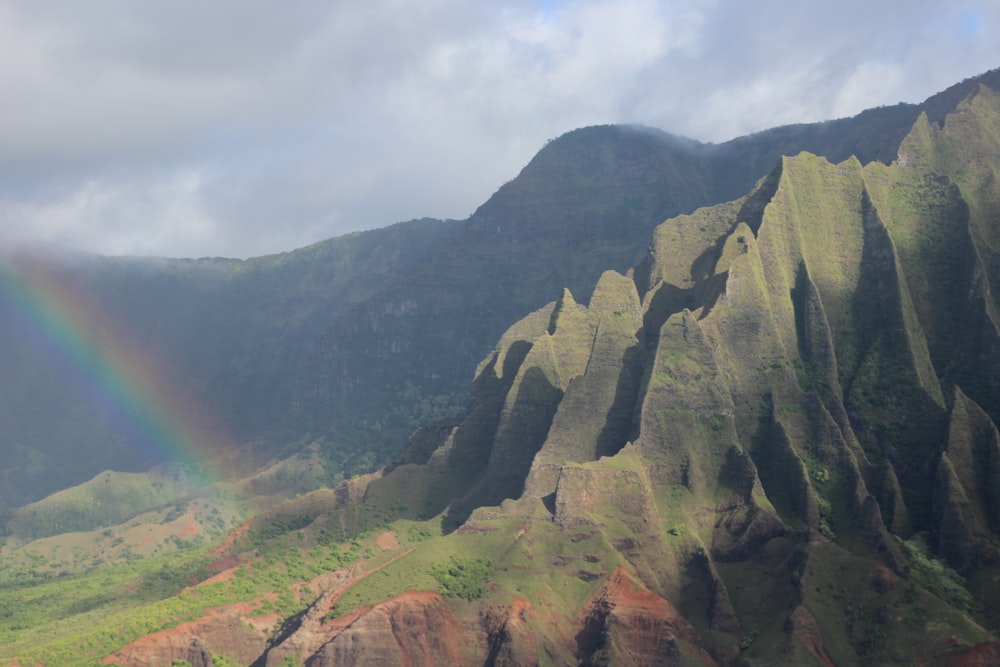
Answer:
x=811 y=365
x=224 y=631
x=624 y=624
x=980 y=655
x=412 y=629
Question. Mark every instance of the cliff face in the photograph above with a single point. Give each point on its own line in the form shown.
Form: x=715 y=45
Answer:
x=773 y=441
x=415 y=628
x=626 y=624
x=792 y=391
x=363 y=338
x=224 y=631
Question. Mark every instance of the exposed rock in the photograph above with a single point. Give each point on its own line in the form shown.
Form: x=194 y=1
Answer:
x=511 y=641
x=882 y=580
x=222 y=631
x=803 y=630
x=625 y=624
x=303 y=635
x=353 y=490
x=762 y=396
x=416 y=628
x=985 y=654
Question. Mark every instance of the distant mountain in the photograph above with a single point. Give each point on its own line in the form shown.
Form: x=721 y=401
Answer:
x=122 y=363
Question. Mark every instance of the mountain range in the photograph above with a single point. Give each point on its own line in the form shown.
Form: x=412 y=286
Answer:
x=756 y=425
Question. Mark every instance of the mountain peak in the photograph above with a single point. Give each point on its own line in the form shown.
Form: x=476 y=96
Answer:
x=769 y=435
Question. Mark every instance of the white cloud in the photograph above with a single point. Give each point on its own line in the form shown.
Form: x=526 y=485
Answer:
x=110 y=216
x=872 y=83
x=183 y=127
x=768 y=100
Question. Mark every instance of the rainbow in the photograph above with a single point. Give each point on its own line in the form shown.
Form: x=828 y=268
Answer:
x=113 y=365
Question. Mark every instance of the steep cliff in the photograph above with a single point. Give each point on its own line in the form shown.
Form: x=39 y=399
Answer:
x=773 y=441
x=743 y=450
x=351 y=343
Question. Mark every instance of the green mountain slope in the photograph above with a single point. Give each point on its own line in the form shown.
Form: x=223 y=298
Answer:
x=772 y=441
x=352 y=343
x=761 y=434
x=122 y=363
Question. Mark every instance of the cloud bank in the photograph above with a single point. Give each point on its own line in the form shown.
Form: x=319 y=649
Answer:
x=185 y=128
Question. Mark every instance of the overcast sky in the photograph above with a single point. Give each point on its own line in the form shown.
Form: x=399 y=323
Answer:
x=247 y=127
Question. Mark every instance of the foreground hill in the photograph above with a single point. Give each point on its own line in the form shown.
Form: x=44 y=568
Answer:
x=773 y=441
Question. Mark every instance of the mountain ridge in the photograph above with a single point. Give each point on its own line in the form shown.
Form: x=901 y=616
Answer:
x=770 y=440
x=729 y=373
x=607 y=188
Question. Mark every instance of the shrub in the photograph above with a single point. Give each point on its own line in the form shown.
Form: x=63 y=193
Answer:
x=463 y=577
x=934 y=575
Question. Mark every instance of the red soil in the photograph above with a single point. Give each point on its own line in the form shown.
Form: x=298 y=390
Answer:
x=986 y=654
x=387 y=541
x=223 y=629
x=644 y=628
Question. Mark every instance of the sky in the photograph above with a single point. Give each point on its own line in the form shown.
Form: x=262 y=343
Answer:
x=238 y=128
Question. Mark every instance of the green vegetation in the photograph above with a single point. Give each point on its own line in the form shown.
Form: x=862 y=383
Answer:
x=75 y=618
x=108 y=499
x=72 y=620
x=224 y=661
x=386 y=311
x=463 y=578
x=934 y=575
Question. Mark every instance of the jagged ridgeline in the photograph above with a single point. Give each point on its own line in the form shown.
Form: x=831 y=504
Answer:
x=347 y=345
x=772 y=441
x=773 y=422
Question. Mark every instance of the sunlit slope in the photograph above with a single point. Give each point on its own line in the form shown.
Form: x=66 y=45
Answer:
x=778 y=440
x=350 y=344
